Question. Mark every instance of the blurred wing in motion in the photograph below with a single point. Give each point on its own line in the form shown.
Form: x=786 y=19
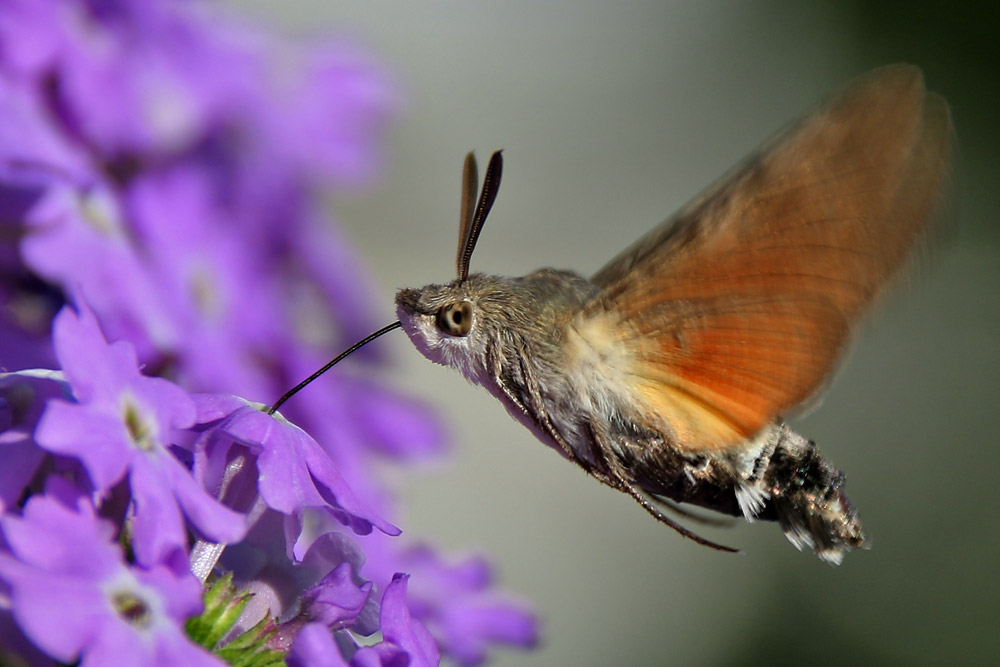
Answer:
x=737 y=308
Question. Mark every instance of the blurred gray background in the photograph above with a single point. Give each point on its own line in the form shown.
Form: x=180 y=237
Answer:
x=612 y=115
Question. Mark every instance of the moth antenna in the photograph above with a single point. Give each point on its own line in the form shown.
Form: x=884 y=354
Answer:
x=469 y=233
x=470 y=183
x=343 y=355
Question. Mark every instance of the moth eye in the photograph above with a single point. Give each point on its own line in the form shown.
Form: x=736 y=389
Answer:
x=456 y=319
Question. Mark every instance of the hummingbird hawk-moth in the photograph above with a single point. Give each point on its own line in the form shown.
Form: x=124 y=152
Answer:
x=667 y=373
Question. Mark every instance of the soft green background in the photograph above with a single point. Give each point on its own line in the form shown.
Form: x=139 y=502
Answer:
x=613 y=115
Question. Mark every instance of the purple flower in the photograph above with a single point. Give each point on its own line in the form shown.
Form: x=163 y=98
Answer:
x=167 y=167
x=121 y=424
x=457 y=603
x=336 y=600
x=163 y=94
x=32 y=158
x=28 y=139
x=295 y=473
x=300 y=586
x=327 y=112
x=75 y=599
x=225 y=313
x=334 y=603
x=17 y=649
x=405 y=641
x=314 y=646
x=76 y=236
x=22 y=398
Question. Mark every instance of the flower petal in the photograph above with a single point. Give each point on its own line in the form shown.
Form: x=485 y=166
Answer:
x=56 y=611
x=314 y=647
x=214 y=521
x=58 y=539
x=157 y=527
x=21 y=458
x=401 y=629
x=99 y=441
x=336 y=599
x=295 y=472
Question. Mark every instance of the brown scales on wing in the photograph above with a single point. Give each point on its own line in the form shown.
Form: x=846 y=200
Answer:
x=746 y=298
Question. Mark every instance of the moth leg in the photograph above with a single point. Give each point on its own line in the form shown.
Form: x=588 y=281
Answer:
x=541 y=415
x=495 y=366
x=528 y=398
x=602 y=448
x=680 y=510
x=517 y=394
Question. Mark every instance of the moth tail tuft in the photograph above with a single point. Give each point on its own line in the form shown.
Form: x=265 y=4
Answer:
x=807 y=498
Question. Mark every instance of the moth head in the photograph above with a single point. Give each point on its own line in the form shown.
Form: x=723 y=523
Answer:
x=450 y=324
x=437 y=314
x=442 y=320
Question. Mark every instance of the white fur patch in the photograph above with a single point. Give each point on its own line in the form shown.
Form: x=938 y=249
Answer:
x=799 y=536
x=831 y=556
x=597 y=364
x=459 y=353
x=751 y=500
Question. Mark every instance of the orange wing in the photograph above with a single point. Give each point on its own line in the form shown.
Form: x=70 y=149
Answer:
x=736 y=309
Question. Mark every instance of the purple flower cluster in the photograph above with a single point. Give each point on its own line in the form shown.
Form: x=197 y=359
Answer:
x=163 y=181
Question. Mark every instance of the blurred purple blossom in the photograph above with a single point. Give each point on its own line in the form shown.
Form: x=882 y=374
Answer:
x=163 y=180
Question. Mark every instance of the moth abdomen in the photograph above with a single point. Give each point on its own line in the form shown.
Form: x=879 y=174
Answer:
x=779 y=476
